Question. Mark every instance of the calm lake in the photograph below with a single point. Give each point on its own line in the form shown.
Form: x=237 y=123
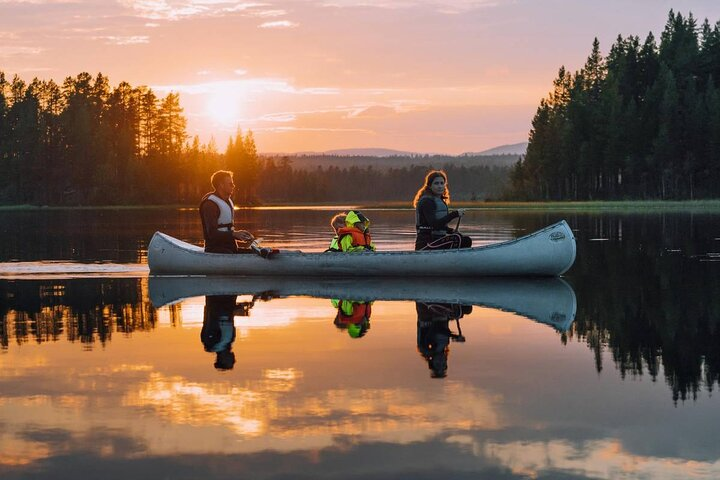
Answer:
x=610 y=372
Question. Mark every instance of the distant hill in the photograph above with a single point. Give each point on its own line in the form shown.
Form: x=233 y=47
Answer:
x=312 y=161
x=514 y=149
x=383 y=158
x=370 y=152
x=348 y=152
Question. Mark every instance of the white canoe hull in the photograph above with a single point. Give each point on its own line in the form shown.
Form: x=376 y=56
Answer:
x=546 y=300
x=547 y=252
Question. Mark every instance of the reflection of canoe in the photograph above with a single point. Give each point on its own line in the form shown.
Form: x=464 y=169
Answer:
x=547 y=252
x=546 y=300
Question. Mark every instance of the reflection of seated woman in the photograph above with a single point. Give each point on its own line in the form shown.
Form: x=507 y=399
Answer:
x=434 y=334
x=352 y=316
x=432 y=215
x=218 y=330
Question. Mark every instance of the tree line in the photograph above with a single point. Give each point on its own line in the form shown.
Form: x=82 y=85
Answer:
x=280 y=182
x=643 y=122
x=86 y=143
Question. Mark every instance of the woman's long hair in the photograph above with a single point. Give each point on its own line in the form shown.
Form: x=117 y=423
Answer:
x=425 y=189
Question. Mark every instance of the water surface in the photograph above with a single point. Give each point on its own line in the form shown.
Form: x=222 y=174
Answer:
x=609 y=372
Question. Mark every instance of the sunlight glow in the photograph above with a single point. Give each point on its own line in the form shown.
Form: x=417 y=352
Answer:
x=223 y=106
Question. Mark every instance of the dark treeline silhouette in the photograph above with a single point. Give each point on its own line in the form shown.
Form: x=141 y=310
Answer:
x=85 y=143
x=644 y=122
x=77 y=310
x=280 y=182
x=312 y=161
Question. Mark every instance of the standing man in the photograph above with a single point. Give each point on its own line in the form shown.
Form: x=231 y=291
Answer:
x=217 y=214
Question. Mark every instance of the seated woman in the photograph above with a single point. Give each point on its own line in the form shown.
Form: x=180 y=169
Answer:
x=432 y=215
x=355 y=235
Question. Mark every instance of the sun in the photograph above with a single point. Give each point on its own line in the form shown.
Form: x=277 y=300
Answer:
x=223 y=106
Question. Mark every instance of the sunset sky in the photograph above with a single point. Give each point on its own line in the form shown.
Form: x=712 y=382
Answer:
x=445 y=76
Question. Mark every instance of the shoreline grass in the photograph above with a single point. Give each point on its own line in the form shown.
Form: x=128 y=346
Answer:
x=613 y=205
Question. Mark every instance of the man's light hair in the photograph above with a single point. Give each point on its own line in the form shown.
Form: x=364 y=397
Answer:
x=219 y=176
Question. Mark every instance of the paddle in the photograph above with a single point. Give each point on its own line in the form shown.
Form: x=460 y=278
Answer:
x=264 y=252
x=459 y=337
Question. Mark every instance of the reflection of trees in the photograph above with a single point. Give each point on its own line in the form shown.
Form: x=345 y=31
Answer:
x=646 y=297
x=85 y=310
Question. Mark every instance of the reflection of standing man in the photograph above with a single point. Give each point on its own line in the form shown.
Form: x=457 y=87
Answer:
x=217 y=213
x=434 y=334
x=218 y=330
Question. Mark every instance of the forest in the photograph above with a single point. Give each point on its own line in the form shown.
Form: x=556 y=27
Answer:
x=641 y=123
x=87 y=143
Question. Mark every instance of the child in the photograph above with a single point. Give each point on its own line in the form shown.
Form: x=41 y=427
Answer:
x=337 y=222
x=355 y=235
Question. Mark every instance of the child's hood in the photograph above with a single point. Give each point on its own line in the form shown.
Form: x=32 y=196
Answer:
x=354 y=217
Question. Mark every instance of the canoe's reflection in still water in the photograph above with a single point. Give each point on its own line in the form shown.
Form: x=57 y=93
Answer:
x=438 y=303
x=546 y=300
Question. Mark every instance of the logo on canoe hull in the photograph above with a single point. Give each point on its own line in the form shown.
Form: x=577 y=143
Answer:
x=557 y=236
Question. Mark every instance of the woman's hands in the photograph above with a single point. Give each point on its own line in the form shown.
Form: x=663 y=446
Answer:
x=461 y=212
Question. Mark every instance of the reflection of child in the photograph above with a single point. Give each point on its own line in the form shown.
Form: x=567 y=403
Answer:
x=355 y=235
x=352 y=316
x=337 y=222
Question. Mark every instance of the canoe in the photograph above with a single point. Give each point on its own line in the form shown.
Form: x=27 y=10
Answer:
x=547 y=252
x=546 y=300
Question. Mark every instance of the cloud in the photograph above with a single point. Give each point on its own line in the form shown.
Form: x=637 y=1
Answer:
x=164 y=10
x=269 y=13
x=173 y=10
x=7 y=51
x=442 y=6
x=125 y=40
x=594 y=459
x=37 y=2
x=254 y=86
x=375 y=111
x=314 y=129
x=279 y=24
x=241 y=7
x=279 y=117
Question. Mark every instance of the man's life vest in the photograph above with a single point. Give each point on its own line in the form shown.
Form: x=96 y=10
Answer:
x=227 y=216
